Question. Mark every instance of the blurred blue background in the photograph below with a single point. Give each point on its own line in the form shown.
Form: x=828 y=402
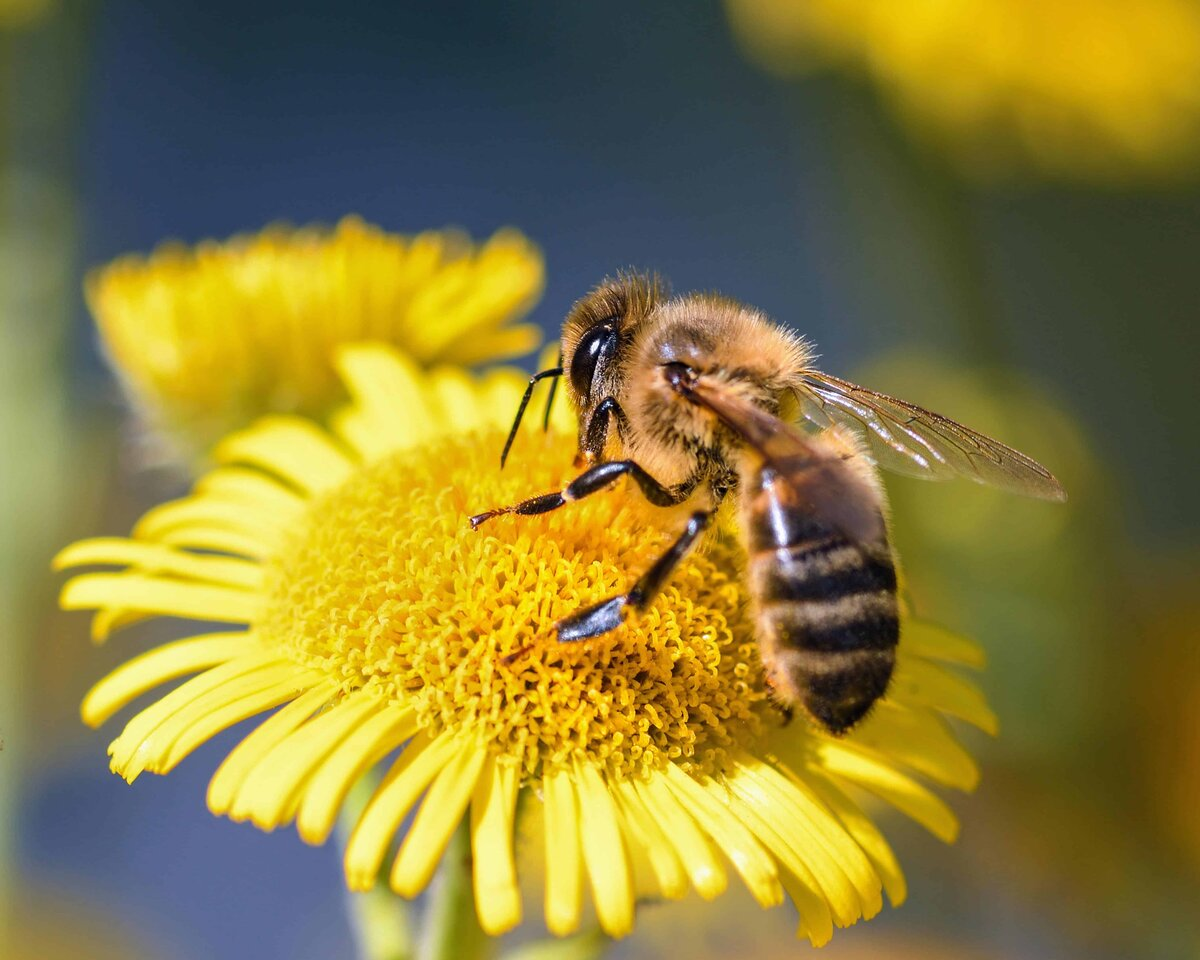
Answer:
x=1061 y=317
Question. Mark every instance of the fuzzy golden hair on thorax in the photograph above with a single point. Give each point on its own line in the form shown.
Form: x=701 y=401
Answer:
x=723 y=340
x=722 y=337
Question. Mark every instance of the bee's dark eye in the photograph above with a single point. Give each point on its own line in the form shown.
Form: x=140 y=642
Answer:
x=599 y=343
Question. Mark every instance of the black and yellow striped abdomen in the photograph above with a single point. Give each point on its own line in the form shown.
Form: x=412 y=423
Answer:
x=828 y=617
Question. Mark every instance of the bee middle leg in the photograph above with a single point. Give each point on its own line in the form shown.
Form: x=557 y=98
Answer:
x=590 y=481
x=608 y=614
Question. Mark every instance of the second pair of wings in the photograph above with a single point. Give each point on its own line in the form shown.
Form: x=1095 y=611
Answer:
x=903 y=438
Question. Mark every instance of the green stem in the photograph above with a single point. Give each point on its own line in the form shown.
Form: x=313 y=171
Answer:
x=583 y=946
x=378 y=918
x=451 y=929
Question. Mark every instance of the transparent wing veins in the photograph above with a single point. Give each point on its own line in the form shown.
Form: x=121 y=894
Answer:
x=908 y=439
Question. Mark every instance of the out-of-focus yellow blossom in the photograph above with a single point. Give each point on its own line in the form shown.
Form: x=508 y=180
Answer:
x=15 y=14
x=1090 y=89
x=1165 y=703
x=53 y=924
x=207 y=338
x=360 y=603
x=895 y=945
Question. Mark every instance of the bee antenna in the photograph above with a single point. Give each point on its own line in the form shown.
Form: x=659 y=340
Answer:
x=512 y=434
x=550 y=396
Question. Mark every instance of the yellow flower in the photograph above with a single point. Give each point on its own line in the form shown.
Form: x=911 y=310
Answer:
x=1090 y=89
x=362 y=605
x=17 y=14
x=207 y=338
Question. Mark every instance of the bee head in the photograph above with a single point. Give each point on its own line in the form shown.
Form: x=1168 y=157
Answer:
x=596 y=338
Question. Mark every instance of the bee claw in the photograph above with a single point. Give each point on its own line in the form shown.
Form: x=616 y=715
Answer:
x=509 y=658
x=479 y=518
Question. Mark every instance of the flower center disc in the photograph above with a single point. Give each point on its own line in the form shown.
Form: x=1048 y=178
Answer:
x=386 y=586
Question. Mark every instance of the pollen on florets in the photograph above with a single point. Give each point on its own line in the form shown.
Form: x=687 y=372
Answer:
x=385 y=586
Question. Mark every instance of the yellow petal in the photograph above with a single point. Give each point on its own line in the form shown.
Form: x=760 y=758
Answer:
x=703 y=868
x=206 y=513
x=330 y=783
x=204 y=729
x=106 y=621
x=150 y=753
x=232 y=773
x=604 y=852
x=198 y=536
x=493 y=808
x=499 y=344
x=239 y=484
x=148 y=720
x=928 y=640
x=359 y=434
x=816 y=923
x=157 y=666
x=883 y=780
x=156 y=558
x=802 y=820
x=273 y=786
x=449 y=310
x=916 y=738
x=440 y=813
x=564 y=858
x=929 y=685
x=708 y=805
x=391 y=409
x=865 y=834
x=172 y=598
x=812 y=868
x=500 y=393
x=371 y=372
x=456 y=396
x=289 y=447
x=412 y=772
x=646 y=835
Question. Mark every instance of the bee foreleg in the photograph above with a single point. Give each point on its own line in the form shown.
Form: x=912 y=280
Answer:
x=608 y=614
x=592 y=480
x=596 y=435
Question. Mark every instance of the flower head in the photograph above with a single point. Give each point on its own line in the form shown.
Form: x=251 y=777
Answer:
x=1089 y=89
x=205 y=339
x=363 y=606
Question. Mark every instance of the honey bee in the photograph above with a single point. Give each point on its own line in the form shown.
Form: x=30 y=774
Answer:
x=699 y=397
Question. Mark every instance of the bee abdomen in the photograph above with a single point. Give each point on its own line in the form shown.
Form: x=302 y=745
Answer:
x=856 y=621
x=825 y=569
x=830 y=619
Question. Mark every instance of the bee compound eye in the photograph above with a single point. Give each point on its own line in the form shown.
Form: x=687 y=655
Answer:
x=597 y=345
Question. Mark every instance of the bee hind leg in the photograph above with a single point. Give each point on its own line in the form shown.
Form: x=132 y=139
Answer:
x=607 y=615
x=786 y=709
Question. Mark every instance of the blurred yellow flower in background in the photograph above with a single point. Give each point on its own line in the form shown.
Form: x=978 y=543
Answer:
x=1090 y=89
x=15 y=14
x=360 y=603
x=206 y=338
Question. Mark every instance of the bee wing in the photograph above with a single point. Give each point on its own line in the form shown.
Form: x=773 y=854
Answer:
x=908 y=439
x=807 y=471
